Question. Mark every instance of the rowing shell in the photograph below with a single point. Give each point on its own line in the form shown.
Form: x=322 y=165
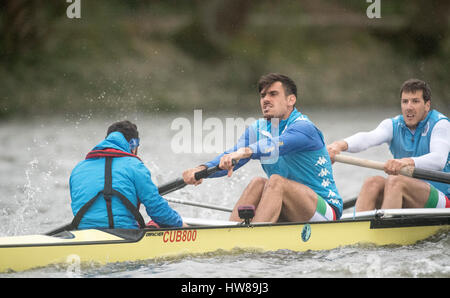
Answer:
x=380 y=227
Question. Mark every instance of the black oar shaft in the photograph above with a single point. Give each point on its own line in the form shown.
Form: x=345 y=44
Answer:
x=179 y=182
x=431 y=175
x=171 y=186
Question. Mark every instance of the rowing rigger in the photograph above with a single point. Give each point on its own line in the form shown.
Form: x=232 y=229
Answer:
x=102 y=246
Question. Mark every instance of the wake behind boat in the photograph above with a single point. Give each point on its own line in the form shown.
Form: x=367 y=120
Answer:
x=103 y=246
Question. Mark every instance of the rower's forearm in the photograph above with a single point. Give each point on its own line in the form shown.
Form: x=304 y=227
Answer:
x=243 y=155
x=364 y=140
x=432 y=161
x=245 y=152
x=201 y=167
x=341 y=145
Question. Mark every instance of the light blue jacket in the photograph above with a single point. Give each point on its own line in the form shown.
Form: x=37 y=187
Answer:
x=130 y=177
x=295 y=151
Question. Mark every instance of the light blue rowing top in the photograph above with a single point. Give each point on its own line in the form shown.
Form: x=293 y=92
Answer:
x=296 y=151
x=413 y=144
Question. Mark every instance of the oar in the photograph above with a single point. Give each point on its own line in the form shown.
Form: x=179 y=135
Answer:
x=408 y=171
x=179 y=182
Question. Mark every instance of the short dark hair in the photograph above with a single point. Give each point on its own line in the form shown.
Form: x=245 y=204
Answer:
x=128 y=129
x=268 y=79
x=413 y=85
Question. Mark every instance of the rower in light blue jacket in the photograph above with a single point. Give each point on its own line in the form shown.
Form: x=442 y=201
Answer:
x=299 y=184
x=295 y=151
x=97 y=203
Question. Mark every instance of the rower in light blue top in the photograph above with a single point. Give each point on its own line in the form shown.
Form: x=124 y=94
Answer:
x=300 y=184
x=405 y=143
x=419 y=137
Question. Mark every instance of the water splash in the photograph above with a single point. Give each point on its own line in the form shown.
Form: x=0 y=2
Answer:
x=27 y=202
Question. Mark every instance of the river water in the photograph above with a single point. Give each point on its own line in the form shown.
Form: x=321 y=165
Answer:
x=37 y=156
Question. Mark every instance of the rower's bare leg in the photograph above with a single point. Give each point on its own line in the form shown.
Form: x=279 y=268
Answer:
x=371 y=195
x=286 y=198
x=405 y=192
x=250 y=196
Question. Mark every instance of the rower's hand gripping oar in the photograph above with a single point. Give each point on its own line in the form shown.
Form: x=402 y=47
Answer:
x=179 y=182
x=408 y=171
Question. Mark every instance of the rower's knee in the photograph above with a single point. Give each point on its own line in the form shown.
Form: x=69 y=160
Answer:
x=258 y=182
x=374 y=184
x=275 y=181
x=276 y=177
x=395 y=181
x=371 y=194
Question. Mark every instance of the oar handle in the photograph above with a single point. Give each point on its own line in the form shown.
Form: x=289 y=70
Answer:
x=408 y=171
x=359 y=162
x=206 y=172
x=366 y=163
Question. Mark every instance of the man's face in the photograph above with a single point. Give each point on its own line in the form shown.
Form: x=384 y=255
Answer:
x=274 y=102
x=414 y=108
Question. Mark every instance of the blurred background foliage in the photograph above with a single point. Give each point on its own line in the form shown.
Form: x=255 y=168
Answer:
x=175 y=56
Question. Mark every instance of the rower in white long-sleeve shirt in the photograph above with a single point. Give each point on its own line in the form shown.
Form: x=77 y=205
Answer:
x=439 y=143
x=418 y=137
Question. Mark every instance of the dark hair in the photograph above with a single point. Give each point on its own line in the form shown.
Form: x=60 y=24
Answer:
x=413 y=85
x=128 y=129
x=268 y=79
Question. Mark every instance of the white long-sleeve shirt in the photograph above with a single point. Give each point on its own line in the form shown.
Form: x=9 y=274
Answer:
x=439 y=143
